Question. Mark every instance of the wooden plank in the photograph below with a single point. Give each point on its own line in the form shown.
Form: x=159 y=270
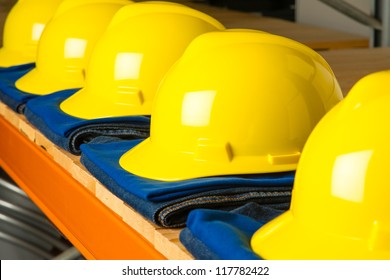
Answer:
x=70 y=169
x=62 y=157
x=167 y=241
x=44 y=143
x=315 y=37
x=139 y=223
x=109 y=199
x=3 y=109
x=93 y=228
x=11 y=117
x=351 y=65
x=27 y=129
x=82 y=175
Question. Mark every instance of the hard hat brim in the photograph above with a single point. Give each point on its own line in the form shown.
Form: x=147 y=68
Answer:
x=35 y=82
x=86 y=104
x=286 y=238
x=151 y=161
x=10 y=58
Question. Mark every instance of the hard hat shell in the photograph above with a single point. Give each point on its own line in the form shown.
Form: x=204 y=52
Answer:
x=142 y=42
x=340 y=201
x=236 y=102
x=66 y=44
x=22 y=30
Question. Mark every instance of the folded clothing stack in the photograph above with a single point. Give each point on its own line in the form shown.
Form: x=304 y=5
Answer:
x=222 y=235
x=167 y=204
x=9 y=94
x=70 y=132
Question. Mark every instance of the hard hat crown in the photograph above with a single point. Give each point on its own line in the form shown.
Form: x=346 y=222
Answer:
x=22 y=30
x=130 y=59
x=66 y=45
x=236 y=102
x=340 y=201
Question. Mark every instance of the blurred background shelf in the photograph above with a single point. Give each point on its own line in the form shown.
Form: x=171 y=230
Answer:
x=318 y=38
x=278 y=17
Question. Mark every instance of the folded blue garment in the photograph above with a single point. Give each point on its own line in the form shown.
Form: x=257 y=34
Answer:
x=167 y=204
x=9 y=94
x=222 y=235
x=70 y=132
x=196 y=247
x=106 y=157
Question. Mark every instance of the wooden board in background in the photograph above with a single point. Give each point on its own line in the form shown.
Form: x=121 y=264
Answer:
x=353 y=64
x=314 y=37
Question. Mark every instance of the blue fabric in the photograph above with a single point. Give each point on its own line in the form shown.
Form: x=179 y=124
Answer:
x=196 y=247
x=167 y=204
x=106 y=156
x=9 y=94
x=70 y=132
x=214 y=234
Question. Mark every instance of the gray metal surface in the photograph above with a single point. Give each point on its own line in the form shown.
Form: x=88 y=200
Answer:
x=25 y=232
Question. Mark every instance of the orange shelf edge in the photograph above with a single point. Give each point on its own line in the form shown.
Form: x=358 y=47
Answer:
x=91 y=226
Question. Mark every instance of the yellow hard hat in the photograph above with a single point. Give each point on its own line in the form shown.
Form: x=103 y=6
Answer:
x=22 y=30
x=340 y=201
x=236 y=102
x=130 y=59
x=66 y=44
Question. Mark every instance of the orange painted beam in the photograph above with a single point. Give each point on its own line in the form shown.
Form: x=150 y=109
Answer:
x=91 y=226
